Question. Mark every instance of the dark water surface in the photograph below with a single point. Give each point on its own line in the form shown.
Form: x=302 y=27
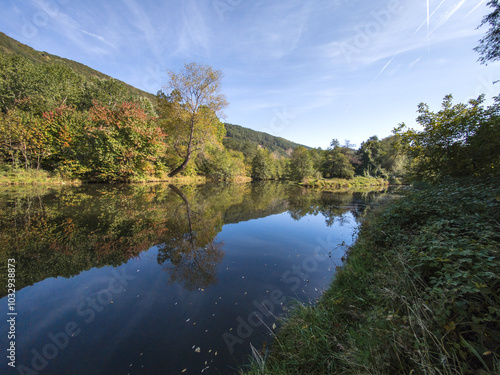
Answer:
x=156 y=279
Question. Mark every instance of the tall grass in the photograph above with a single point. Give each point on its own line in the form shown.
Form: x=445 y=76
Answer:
x=21 y=176
x=340 y=183
x=419 y=293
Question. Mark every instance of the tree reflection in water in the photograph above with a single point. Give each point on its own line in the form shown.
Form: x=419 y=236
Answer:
x=190 y=253
x=66 y=230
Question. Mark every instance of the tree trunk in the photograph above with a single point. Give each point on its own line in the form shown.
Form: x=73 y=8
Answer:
x=181 y=167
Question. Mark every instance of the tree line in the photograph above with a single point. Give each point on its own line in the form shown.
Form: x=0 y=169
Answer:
x=96 y=129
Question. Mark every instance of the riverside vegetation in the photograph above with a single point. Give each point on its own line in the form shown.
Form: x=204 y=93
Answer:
x=61 y=121
x=419 y=292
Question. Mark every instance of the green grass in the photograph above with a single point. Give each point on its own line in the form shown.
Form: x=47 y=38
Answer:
x=340 y=183
x=419 y=293
x=10 y=176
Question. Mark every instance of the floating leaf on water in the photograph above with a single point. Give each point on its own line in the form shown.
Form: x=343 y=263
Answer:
x=274 y=325
x=184 y=370
x=198 y=349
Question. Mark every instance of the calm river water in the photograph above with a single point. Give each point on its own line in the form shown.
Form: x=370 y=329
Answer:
x=157 y=279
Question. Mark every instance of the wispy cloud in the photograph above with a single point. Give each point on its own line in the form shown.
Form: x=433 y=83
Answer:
x=71 y=29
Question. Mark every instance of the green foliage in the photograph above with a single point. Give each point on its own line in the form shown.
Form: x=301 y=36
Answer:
x=263 y=166
x=489 y=45
x=301 y=164
x=418 y=294
x=220 y=164
x=10 y=48
x=336 y=163
x=382 y=158
x=459 y=140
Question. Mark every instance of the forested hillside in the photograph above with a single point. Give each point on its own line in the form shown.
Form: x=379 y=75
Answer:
x=9 y=46
x=246 y=140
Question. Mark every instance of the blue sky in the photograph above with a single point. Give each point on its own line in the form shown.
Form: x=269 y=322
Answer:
x=305 y=70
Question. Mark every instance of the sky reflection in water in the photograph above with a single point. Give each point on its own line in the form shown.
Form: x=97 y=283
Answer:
x=157 y=279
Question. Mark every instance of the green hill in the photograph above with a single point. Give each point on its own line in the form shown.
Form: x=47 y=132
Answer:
x=238 y=138
x=12 y=46
x=247 y=140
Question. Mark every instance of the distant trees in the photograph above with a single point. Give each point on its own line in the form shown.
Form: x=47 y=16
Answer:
x=301 y=164
x=336 y=163
x=190 y=111
x=263 y=167
x=246 y=140
x=220 y=164
x=459 y=140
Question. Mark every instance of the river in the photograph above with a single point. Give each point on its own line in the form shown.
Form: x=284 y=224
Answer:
x=162 y=279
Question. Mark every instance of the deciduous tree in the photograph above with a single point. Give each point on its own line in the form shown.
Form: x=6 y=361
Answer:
x=190 y=112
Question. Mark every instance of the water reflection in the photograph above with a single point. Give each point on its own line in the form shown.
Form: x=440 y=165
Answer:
x=64 y=231
x=196 y=264
x=189 y=252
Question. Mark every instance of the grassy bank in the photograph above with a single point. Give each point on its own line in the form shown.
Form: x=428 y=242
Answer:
x=419 y=293
x=339 y=183
x=10 y=176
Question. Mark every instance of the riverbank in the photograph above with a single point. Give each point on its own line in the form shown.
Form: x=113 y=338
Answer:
x=33 y=177
x=340 y=183
x=418 y=293
x=42 y=177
